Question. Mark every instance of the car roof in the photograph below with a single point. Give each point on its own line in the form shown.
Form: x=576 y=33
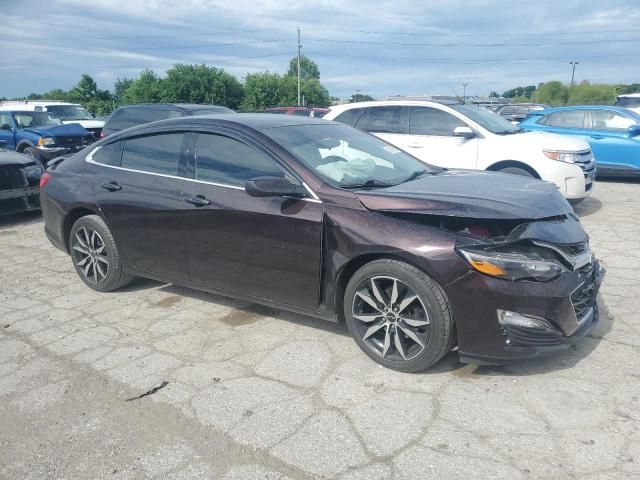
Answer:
x=183 y=106
x=387 y=103
x=623 y=110
x=255 y=121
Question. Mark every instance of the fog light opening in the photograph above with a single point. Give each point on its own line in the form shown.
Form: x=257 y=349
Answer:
x=514 y=319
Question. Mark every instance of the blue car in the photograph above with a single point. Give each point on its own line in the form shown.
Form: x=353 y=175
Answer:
x=40 y=135
x=612 y=132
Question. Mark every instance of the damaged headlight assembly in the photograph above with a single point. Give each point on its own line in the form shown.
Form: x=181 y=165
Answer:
x=513 y=262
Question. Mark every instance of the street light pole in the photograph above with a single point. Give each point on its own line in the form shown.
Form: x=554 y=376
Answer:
x=464 y=92
x=573 y=71
x=299 y=47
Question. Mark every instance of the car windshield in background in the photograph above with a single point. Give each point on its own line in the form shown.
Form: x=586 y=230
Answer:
x=628 y=102
x=348 y=158
x=69 y=112
x=35 y=119
x=487 y=119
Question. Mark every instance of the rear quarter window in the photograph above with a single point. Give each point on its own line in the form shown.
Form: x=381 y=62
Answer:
x=110 y=154
x=349 y=117
x=130 y=117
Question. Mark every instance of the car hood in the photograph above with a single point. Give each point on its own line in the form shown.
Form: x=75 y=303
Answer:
x=12 y=158
x=470 y=194
x=86 y=123
x=70 y=130
x=544 y=141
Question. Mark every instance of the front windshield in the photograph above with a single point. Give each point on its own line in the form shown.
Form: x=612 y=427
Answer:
x=487 y=119
x=346 y=157
x=69 y=112
x=35 y=119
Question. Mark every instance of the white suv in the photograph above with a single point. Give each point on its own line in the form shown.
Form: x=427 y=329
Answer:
x=630 y=101
x=66 y=112
x=472 y=137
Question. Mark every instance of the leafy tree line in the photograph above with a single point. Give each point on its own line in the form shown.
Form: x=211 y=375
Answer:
x=200 y=84
x=557 y=93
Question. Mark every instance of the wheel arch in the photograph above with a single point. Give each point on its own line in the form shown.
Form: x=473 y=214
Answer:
x=513 y=163
x=23 y=145
x=349 y=268
x=71 y=218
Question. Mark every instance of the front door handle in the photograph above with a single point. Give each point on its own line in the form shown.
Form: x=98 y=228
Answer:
x=198 y=200
x=112 y=186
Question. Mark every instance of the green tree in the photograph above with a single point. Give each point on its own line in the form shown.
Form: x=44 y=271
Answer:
x=266 y=89
x=591 y=94
x=308 y=68
x=359 y=97
x=145 y=89
x=553 y=93
x=85 y=90
x=120 y=87
x=626 y=89
x=201 y=84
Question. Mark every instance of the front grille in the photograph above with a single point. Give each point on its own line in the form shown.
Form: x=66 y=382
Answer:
x=521 y=336
x=12 y=177
x=586 y=162
x=583 y=298
x=573 y=249
x=73 y=141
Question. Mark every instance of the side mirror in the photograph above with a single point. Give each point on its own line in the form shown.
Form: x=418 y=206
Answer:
x=634 y=130
x=3 y=143
x=5 y=126
x=273 y=187
x=464 y=132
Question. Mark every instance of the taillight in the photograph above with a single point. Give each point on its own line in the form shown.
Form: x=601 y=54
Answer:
x=44 y=179
x=102 y=135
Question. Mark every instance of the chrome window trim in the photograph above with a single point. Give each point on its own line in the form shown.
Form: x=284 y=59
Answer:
x=89 y=159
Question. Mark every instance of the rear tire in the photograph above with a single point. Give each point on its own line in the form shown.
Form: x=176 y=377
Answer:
x=517 y=171
x=398 y=315
x=95 y=255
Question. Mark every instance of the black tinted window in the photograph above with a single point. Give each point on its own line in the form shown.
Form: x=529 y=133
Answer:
x=225 y=160
x=348 y=117
x=430 y=121
x=383 y=119
x=566 y=119
x=110 y=154
x=130 y=117
x=154 y=153
x=628 y=102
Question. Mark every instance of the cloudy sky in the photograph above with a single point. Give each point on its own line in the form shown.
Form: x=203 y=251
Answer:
x=407 y=47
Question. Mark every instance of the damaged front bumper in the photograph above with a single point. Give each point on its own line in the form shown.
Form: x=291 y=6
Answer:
x=18 y=200
x=544 y=318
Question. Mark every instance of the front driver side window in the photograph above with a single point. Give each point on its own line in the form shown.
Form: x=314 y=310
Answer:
x=224 y=160
x=431 y=121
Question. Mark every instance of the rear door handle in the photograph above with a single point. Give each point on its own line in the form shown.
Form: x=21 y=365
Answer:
x=112 y=186
x=198 y=200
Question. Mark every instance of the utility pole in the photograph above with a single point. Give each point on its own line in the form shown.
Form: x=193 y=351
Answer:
x=299 y=47
x=573 y=71
x=464 y=92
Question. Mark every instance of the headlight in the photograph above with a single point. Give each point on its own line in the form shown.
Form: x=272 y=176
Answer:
x=34 y=171
x=517 y=263
x=562 y=156
x=44 y=142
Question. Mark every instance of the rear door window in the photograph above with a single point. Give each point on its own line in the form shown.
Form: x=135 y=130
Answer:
x=154 y=153
x=566 y=119
x=110 y=154
x=227 y=161
x=392 y=119
x=431 y=121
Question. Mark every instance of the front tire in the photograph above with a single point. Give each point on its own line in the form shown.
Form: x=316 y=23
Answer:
x=398 y=315
x=95 y=255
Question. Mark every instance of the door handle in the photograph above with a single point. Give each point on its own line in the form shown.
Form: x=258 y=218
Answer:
x=597 y=137
x=415 y=146
x=198 y=200
x=112 y=186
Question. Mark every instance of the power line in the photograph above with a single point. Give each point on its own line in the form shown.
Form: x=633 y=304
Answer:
x=504 y=45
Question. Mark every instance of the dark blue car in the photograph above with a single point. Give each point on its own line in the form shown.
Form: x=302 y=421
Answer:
x=612 y=132
x=40 y=135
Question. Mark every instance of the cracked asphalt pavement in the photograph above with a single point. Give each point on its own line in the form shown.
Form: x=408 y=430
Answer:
x=254 y=393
